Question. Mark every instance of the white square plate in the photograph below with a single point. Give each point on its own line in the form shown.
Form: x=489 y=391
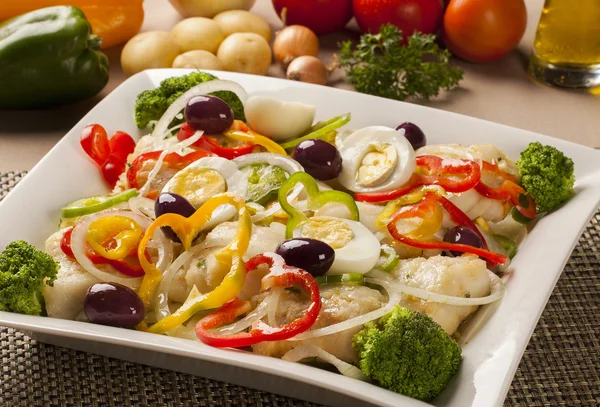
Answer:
x=31 y=212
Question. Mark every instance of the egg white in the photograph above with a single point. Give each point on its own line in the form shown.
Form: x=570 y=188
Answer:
x=358 y=256
x=357 y=145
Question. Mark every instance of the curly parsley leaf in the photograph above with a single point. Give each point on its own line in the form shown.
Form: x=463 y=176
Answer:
x=381 y=65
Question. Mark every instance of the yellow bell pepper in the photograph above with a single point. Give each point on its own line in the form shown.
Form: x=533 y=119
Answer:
x=430 y=223
x=255 y=138
x=115 y=21
x=121 y=233
x=187 y=229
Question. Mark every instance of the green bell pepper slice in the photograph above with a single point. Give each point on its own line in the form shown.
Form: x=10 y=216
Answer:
x=316 y=200
x=263 y=181
x=348 y=278
x=319 y=130
x=97 y=203
x=388 y=259
x=49 y=57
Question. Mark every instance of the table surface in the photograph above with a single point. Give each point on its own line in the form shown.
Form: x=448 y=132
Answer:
x=500 y=92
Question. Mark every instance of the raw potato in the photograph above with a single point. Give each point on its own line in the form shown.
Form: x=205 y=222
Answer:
x=209 y=8
x=241 y=21
x=198 y=33
x=246 y=53
x=198 y=59
x=152 y=49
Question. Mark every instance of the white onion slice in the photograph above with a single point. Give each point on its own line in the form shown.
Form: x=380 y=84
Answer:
x=304 y=351
x=349 y=323
x=142 y=206
x=168 y=132
x=158 y=165
x=161 y=308
x=201 y=89
x=257 y=314
x=497 y=290
x=286 y=163
x=274 y=301
x=78 y=245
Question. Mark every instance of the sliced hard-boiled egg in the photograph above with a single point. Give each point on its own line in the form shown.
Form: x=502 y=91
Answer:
x=356 y=248
x=376 y=158
x=277 y=119
x=206 y=178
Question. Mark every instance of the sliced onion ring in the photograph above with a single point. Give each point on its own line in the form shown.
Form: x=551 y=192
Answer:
x=142 y=206
x=288 y=164
x=161 y=306
x=349 y=323
x=304 y=351
x=202 y=89
x=78 y=245
x=496 y=292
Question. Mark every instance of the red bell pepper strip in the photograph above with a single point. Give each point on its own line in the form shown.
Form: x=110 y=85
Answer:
x=173 y=160
x=508 y=191
x=94 y=142
x=460 y=218
x=130 y=268
x=213 y=145
x=121 y=145
x=457 y=216
x=110 y=154
x=432 y=170
x=280 y=275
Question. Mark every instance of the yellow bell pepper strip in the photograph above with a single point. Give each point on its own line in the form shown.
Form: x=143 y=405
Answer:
x=115 y=21
x=255 y=138
x=114 y=237
x=316 y=199
x=321 y=130
x=187 y=229
x=428 y=211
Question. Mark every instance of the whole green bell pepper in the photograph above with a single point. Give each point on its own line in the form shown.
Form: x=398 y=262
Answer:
x=49 y=57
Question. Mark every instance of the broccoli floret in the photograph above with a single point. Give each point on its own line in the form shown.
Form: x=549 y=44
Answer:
x=151 y=104
x=23 y=272
x=547 y=174
x=407 y=352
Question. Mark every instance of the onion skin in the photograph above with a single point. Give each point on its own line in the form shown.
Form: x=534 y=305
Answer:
x=295 y=41
x=308 y=69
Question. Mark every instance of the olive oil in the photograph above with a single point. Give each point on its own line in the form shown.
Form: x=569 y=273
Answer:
x=567 y=44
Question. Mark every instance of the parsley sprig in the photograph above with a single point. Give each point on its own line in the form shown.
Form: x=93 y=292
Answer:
x=381 y=65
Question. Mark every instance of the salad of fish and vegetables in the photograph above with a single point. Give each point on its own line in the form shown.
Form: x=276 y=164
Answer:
x=239 y=222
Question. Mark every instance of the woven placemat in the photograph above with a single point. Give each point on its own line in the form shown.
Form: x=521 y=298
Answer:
x=561 y=366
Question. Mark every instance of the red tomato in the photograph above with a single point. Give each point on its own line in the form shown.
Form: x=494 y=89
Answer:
x=484 y=30
x=121 y=145
x=321 y=16
x=408 y=15
x=95 y=143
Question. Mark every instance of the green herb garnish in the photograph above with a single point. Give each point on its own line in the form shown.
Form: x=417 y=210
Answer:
x=381 y=65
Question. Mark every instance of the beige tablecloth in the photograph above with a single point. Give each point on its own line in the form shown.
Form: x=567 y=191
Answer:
x=501 y=92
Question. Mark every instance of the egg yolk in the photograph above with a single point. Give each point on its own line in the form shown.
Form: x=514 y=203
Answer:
x=377 y=165
x=198 y=185
x=333 y=231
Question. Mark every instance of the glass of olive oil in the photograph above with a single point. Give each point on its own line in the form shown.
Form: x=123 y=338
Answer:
x=567 y=44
